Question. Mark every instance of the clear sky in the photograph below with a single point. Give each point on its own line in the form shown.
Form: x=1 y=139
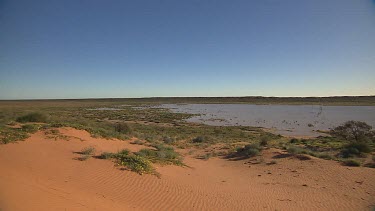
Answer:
x=139 y=48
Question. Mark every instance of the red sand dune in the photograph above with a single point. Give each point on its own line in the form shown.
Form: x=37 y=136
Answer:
x=42 y=174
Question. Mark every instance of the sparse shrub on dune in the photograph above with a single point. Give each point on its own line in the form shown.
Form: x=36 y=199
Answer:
x=32 y=117
x=351 y=162
x=294 y=150
x=106 y=155
x=88 y=151
x=248 y=151
x=122 y=127
x=163 y=154
x=84 y=157
x=325 y=156
x=293 y=140
x=168 y=140
x=264 y=139
x=30 y=128
x=355 y=149
x=135 y=163
x=199 y=139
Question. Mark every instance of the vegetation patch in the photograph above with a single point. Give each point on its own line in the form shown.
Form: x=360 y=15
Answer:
x=122 y=127
x=162 y=154
x=355 y=149
x=32 y=117
x=351 y=162
x=87 y=151
x=8 y=135
x=136 y=163
x=250 y=150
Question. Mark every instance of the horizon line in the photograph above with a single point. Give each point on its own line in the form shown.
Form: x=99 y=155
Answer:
x=156 y=97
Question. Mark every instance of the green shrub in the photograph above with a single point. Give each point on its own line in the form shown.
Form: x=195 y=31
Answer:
x=122 y=127
x=351 y=162
x=8 y=135
x=264 y=139
x=355 y=149
x=325 y=156
x=293 y=140
x=136 y=163
x=199 y=139
x=88 y=151
x=294 y=150
x=249 y=150
x=106 y=155
x=32 y=117
x=30 y=128
x=354 y=131
x=168 y=140
x=163 y=154
x=84 y=157
x=123 y=152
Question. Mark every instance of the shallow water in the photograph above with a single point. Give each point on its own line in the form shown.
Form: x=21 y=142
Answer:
x=292 y=120
x=105 y=109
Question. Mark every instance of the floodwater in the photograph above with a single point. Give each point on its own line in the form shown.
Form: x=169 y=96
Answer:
x=289 y=120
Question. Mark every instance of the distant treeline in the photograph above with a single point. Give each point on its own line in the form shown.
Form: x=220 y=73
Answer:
x=342 y=100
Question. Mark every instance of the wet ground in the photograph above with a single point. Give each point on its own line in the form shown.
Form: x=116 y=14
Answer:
x=292 y=120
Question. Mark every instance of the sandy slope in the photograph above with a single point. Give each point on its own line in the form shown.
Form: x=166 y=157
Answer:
x=42 y=174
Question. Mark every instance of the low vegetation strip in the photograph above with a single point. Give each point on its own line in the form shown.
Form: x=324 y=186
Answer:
x=155 y=126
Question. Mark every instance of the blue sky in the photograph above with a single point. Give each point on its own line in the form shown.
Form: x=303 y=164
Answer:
x=119 y=48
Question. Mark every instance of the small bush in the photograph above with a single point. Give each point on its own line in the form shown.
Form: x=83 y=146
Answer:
x=370 y=165
x=168 y=140
x=199 y=139
x=163 y=154
x=138 y=142
x=295 y=150
x=249 y=150
x=351 y=163
x=355 y=149
x=83 y=158
x=106 y=155
x=302 y=157
x=264 y=139
x=122 y=127
x=136 y=163
x=325 y=156
x=123 y=152
x=32 y=117
x=30 y=128
x=293 y=140
x=88 y=151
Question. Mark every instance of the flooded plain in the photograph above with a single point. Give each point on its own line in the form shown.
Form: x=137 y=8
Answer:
x=289 y=120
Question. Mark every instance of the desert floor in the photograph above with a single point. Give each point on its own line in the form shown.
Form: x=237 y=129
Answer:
x=43 y=174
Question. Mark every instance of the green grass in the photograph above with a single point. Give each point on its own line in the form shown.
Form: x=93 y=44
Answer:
x=161 y=154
